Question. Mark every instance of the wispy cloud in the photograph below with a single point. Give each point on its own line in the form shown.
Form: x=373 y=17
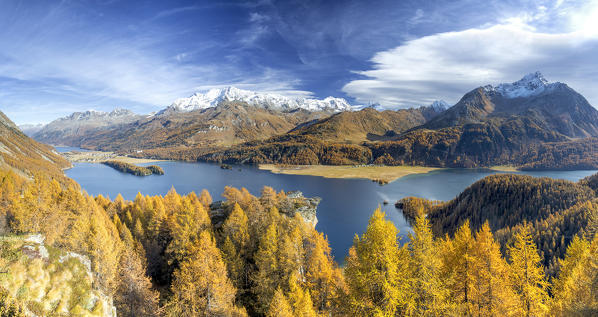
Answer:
x=446 y=65
x=64 y=62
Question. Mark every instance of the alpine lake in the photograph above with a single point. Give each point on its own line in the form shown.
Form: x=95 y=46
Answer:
x=345 y=207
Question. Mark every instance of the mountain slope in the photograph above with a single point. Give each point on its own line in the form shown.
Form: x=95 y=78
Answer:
x=31 y=129
x=23 y=155
x=224 y=125
x=551 y=106
x=72 y=128
x=368 y=124
x=336 y=140
x=530 y=123
x=217 y=118
x=513 y=124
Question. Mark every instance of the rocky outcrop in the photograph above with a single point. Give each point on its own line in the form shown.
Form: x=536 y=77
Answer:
x=306 y=207
x=295 y=203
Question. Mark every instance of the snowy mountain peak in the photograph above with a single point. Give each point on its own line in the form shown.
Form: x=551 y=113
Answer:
x=99 y=115
x=439 y=105
x=530 y=85
x=213 y=97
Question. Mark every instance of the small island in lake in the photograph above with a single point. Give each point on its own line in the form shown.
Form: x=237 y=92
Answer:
x=134 y=169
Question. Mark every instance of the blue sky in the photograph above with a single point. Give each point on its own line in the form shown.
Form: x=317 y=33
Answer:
x=57 y=57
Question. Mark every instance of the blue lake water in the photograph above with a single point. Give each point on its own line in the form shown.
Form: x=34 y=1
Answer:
x=62 y=149
x=346 y=203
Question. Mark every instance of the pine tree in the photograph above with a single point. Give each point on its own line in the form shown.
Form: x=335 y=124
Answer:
x=528 y=274
x=236 y=227
x=187 y=222
x=267 y=278
x=372 y=270
x=135 y=296
x=232 y=195
x=459 y=261
x=201 y=286
x=492 y=294
x=300 y=300
x=290 y=254
x=575 y=292
x=279 y=307
x=322 y=275
x=205 y=198
x=234 y=263
x=269 y=197
x=430 y=294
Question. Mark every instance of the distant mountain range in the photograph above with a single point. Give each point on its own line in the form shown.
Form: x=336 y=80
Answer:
x=216 y=118
x=71 y=129
x=552 y=106
x=530 y=123
x=213 y=97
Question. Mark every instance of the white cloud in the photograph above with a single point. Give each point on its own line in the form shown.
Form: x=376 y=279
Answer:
x=446 y=65
x=61 y=63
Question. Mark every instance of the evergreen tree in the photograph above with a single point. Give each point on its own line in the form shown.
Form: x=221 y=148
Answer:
x=430 y=294
x=528 y=274
x=575 y=290
x=279 y=307
x=492 y=294
x=376 y=283
x=201 y=286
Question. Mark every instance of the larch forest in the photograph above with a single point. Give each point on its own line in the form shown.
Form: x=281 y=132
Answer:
x=154 y=156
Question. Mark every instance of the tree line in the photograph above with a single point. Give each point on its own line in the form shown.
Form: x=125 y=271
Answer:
x=186 y=255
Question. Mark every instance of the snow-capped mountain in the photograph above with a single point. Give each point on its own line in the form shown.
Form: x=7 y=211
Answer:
x=115 y=114
x=530 y=85
x=30 y=129
x=436 y=106
x=72 y=125
x=213 y=97
x=439 y=105
x=552 y=107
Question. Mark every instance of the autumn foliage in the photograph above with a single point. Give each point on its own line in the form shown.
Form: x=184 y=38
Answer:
x=185 y=255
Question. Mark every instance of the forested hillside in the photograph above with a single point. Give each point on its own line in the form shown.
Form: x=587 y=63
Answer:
x=25 y=156
x=189 y=256
x=555 y=211
x=367 y=124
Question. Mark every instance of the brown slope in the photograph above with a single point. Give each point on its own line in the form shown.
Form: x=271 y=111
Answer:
x=551 y=130
x=560 y=109
x=25 y=156
x=330 y=141
x=364 y=125
x=227 y=124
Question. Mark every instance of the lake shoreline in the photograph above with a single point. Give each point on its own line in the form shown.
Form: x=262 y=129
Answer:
x=101 y=157
x=376 y=173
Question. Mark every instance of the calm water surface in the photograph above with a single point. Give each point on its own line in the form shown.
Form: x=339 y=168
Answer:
x=346 y=203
